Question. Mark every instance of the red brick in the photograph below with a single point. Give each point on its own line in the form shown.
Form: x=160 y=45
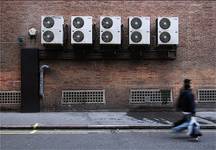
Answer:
x=196 y=55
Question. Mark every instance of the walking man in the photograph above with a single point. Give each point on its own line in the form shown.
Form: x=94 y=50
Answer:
x=186 y=104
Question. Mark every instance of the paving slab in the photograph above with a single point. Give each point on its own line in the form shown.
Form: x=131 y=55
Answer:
x=99 y=120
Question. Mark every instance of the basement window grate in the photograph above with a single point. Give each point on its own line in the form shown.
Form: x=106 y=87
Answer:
x=83 y=96
x=206 y=95
x=10 y=97
x=142 y=96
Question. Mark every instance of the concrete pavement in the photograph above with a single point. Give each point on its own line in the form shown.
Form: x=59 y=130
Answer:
x=99 y=120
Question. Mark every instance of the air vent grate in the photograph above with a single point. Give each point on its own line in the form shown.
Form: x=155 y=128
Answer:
x=10 y=97
x=206 y=95
x=83 y=96
x=142 y=96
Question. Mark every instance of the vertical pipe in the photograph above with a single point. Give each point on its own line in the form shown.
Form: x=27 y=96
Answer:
x=42 y=70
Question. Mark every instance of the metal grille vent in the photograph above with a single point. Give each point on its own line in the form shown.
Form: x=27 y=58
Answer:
x=207 y=95
x=136 y=37
x=165 y=23
x=165 y=37
x=107 y=23
x=150 y=96
x=48 y=36
x=136 y=23
x=83 y=96
x=78 y=36
x=107 y=36
x=78 y=22
x=10 y=97
x=48 y=22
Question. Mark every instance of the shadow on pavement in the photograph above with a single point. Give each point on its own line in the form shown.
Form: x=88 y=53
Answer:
x=159 y=117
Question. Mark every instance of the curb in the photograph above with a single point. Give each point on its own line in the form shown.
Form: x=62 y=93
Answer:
x=92 y=127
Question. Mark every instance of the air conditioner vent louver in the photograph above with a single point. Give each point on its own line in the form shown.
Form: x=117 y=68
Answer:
x=83 y=96
x=10 y=97
x=144 y=96
x=207 y=95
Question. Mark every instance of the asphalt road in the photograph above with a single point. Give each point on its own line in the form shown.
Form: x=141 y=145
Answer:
x=104 y=140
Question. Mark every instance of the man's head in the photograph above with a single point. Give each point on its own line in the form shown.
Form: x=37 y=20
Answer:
x=187 y=83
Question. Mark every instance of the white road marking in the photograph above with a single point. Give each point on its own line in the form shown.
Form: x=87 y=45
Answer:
x=33 y=131
x=35 y=125
x=14 y=132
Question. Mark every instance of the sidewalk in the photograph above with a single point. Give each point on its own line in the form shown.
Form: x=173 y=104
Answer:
x=99 y=120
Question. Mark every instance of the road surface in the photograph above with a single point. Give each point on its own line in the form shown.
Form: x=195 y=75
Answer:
x=103 y=140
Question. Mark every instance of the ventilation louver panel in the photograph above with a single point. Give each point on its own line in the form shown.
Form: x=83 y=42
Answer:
x=207 y=95
x=143 y=96
x=83 y=96
x=10 y=97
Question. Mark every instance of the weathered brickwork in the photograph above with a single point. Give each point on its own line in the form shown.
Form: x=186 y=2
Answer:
x=196 y=54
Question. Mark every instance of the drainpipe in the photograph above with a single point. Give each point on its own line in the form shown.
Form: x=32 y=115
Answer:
x=42 y=70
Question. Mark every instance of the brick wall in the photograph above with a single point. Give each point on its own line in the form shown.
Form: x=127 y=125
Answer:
x=196 y=55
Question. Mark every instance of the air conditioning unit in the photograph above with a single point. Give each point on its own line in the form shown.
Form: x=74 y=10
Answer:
x=110 y=30
x=139 y=30
x=167 y=31
x=81 y=30
x=52 y=29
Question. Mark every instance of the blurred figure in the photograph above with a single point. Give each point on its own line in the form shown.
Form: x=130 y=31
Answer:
x=186 y=104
